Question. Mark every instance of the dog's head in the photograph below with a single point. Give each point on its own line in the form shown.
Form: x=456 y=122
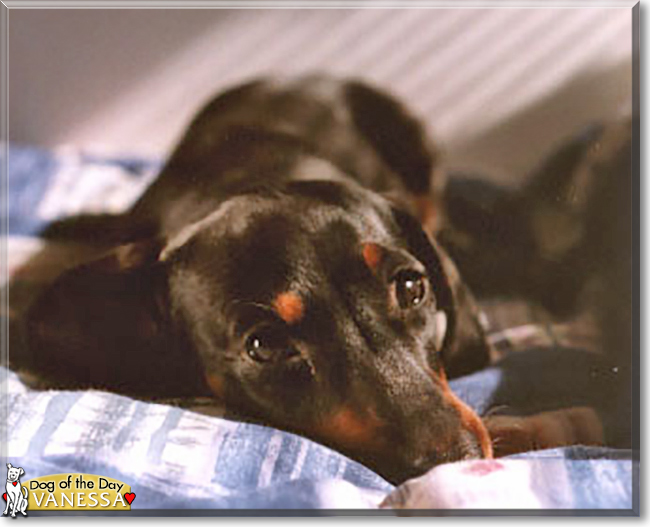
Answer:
x=13 y=473
x=319 y=308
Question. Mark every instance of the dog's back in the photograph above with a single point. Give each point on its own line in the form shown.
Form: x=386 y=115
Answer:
x=268 y=132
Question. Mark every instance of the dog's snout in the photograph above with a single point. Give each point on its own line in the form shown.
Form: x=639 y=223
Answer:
x=473 y=429
x=443 y=433
x=465 y=447
x=471 y=426
x=459 y=439
x=443 y=429
x=417 y=422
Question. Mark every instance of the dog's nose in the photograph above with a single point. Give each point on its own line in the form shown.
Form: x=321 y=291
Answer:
x=465 y=445
x=464 y=436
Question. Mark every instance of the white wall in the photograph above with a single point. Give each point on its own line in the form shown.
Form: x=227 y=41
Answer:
x=496 y=86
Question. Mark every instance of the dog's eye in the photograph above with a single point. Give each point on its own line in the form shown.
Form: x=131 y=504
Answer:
x=268 y=344
x=409 y=288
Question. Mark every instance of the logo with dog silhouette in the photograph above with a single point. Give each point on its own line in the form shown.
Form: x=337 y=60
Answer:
x=64 y=492
x=15 y=493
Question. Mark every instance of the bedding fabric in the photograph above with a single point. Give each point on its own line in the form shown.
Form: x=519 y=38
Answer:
x=188 y=455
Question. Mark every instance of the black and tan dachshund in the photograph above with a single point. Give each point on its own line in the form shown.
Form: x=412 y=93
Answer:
x=275 y=264
x=284 y=262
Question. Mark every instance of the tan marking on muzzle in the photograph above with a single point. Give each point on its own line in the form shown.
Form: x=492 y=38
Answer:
x=468 y=418
x=216 y=385
x=289 y=307
x=349 y=428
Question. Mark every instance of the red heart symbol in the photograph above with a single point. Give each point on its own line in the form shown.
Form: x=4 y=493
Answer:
x=5 y=496
x=15 y=483
x=129 y=496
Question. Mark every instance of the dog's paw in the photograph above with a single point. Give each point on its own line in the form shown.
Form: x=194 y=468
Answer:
x=559 y=428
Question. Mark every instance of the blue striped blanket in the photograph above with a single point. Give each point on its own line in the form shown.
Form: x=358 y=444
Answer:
x=188 y=455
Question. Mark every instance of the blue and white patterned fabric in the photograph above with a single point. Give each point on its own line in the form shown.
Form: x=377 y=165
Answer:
x=182 y=458
x=175 y=458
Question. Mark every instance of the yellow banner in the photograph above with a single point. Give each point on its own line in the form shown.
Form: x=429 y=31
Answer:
x=77 y=492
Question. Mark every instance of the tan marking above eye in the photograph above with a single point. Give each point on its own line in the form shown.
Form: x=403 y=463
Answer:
x=289 y=306
x=372 y=255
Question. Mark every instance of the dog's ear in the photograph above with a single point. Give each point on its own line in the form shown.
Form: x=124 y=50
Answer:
x=465 y=348
x=404 y=144
x=9 y=465
x=22 y=472
x=397 y=136
x=106 y=324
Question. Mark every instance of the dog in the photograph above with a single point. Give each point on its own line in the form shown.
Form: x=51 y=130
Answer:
x=283 y=262
x=569 y=228
x=16 y=499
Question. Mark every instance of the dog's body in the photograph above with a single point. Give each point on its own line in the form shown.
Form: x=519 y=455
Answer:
x=16 y=493
x=563 y=240
x=270 y=266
